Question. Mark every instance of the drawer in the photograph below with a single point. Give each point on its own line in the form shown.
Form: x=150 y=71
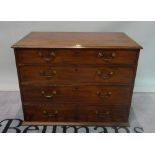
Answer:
x=75 y=113
x=83 y=95
x=103 y=114
x=70 y=75
x=76 y=56
x=49 y=113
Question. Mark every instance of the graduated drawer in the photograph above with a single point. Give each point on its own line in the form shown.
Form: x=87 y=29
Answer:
x=76 y=56
x=70 y=75
x=75 y=113
x=40 y=113
x=83 y=95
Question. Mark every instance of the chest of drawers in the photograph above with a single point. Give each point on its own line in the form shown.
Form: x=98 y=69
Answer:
x=76 y=78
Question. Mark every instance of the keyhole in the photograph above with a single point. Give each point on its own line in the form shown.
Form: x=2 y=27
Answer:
x=75 y=69
x=76 y=88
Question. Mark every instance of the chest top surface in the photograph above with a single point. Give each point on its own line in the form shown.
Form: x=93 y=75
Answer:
x=105 y=40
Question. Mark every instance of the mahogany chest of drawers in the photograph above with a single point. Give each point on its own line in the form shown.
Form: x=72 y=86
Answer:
x=76 y=78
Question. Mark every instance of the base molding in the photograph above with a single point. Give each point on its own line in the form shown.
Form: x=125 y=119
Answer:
x=121 y=124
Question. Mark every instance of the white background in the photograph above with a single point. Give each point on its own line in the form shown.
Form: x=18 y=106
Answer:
x=142 y=32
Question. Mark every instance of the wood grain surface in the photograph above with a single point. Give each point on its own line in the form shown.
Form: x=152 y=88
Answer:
x=77 y=40
x=76 y=78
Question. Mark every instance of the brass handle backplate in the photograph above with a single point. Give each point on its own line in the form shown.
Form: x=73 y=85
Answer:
x=54 y=114
x=47 y=57
x=48 y=96
x=105 y=75
x=106 y=57
x=103 y=96
x=48 y=74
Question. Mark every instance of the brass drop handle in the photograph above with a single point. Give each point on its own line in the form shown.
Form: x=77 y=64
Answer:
x=107 y=57
x=54 y=114
x=48 y=96
x=104 y=95
x=102 y=115
x=48 y=74
x=105 y=75
x=48 y=57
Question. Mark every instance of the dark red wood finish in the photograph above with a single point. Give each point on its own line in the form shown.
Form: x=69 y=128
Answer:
x=76 y=56
x=63 y=82
x=78 y=74
x=61 y=113
x=91 y=94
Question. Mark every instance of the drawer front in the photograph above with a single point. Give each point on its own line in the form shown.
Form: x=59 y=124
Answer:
x=75 y=113
x=49 y=113
x=76 y=56
x=103 y=114
x=70 y=75
x=84 y=95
